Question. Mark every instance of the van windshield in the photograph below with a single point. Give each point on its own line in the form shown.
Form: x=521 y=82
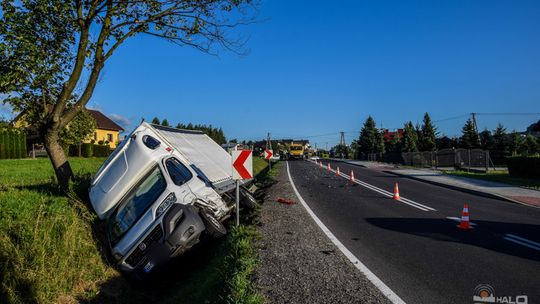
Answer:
x=296 y=148
x=136 y=203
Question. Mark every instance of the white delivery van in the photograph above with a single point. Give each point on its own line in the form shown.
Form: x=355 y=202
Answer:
x=159 y=191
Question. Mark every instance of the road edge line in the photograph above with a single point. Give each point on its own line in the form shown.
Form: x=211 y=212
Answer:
x=383 y=288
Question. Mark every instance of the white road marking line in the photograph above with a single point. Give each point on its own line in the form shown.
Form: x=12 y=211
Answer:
x=387 y=193
x=522 y=241
x=457 y=219
x=391 y=295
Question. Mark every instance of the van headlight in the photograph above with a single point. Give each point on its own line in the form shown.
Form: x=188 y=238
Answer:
x=167 y=202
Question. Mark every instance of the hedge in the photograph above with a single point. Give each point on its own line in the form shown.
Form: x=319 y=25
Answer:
x=12 y=144
x=102 y=150
x=90 y=150
x=524 y=166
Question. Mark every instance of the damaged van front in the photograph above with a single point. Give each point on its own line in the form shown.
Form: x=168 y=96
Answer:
x=156 y=201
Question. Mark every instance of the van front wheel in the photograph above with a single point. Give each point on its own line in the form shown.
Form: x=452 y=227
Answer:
x=247 y=200
x=213 y=227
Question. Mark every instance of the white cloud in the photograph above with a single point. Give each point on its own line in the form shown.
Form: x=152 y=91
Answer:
x=121 y=120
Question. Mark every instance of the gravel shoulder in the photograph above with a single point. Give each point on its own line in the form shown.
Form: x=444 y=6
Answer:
x=298 y=263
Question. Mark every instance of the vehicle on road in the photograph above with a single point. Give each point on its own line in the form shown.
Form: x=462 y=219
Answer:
x=297 y=151
x=159 y=192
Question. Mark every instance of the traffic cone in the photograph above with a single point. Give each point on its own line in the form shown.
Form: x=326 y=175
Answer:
x=320 y=165
x=352 y=176
x=328 y=167
x=337 y=171
x=465 y=224
x=396 y=192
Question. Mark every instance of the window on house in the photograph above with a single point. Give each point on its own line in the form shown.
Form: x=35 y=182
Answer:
x=109 y=137
x=95 y=135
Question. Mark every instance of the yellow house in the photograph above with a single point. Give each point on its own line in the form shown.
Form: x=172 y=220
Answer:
x=107 y=131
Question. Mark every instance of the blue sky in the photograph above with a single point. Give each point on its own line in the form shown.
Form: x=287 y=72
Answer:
x=320 y=67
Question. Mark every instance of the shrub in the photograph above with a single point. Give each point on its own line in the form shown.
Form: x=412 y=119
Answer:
x=87 y=150
x=524 y=166
x=13 y=144
x=101 y=150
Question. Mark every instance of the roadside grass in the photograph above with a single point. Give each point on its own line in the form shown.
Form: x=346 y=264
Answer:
x=47 y=250
x=50 y=248
x=501 y=177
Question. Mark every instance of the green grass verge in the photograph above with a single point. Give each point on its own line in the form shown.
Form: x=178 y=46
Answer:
x=47 y=250
x=50 y=248
x=500 y=177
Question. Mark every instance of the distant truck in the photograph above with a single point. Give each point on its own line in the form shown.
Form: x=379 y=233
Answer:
x=297 y=151
x=160 y=191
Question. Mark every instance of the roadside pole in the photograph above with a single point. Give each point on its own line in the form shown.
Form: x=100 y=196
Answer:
x=237 y=202
x=242 y=168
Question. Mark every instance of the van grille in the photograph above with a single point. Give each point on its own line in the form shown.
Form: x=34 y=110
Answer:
x=135 y=258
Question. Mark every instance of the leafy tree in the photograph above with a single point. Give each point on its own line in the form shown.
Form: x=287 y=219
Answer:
x=410 y=138
x=428 y=134
x=52 y=52
x=486 y=140
x=78 y=130
x=445 y=142
x=341 y=151
x=165 y=122
x=529 y=146
x=370 y=140
x=469 y=138
x=156 y=121
x=515 y=143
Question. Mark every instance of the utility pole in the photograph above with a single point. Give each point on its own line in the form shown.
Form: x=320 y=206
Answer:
x=342 y=143
x=475 y=127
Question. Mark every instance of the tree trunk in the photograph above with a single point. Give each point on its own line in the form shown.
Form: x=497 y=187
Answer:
x=58 y=158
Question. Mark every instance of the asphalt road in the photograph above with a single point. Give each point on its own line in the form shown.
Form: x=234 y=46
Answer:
x=413 y=246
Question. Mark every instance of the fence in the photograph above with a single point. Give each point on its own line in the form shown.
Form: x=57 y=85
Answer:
x=476 y=159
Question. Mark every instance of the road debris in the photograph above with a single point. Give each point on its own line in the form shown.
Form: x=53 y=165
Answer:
x=285 y=201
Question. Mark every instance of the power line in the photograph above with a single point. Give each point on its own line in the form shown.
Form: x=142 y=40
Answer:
x=513 y=114
x=452 y=118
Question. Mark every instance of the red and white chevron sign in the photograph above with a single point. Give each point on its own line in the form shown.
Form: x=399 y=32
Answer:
x=242 y=164
x=268 y=153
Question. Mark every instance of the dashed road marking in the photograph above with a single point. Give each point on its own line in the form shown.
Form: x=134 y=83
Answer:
x=522 y=241
x=387 y=193
x=391 y=295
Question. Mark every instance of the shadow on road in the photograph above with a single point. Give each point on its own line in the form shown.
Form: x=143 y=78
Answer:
x=486 y=234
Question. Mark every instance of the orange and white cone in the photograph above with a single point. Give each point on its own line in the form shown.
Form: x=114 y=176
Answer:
x=352 y=176
x=328 y=167
x=337 y=171
x=396 y=193
x=320 y=165
x=465 y=224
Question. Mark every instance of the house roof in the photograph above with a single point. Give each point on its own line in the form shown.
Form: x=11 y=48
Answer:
x=104 y=122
